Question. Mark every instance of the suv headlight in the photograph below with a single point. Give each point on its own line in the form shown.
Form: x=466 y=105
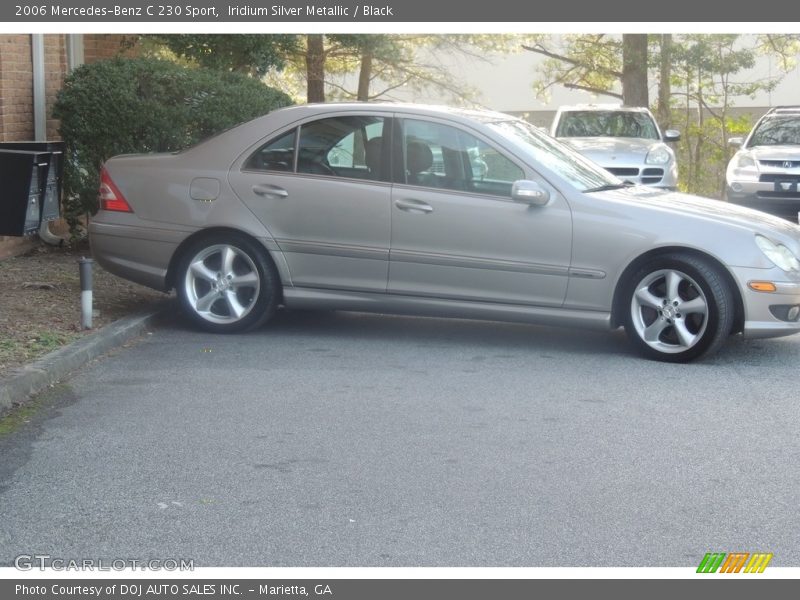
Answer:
x=744 y=161
x=658 y=156
x=778 y=254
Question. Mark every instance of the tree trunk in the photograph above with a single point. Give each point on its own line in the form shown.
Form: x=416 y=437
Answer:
x=365 y=74
x=315 y=68
x=698 y=148
x=634 y=69
x=664 y=84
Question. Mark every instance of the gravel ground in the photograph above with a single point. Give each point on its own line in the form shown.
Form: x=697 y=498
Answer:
x=40 y=302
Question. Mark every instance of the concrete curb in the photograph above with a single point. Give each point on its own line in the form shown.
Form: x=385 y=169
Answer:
x=38 y=375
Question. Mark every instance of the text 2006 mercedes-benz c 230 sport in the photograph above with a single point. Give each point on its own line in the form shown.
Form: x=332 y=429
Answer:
x=434 y=211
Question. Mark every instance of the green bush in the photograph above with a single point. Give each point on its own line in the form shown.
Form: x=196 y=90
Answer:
x=145 y=105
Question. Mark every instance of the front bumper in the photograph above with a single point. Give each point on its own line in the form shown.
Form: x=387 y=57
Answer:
x=766 y=313
x=767 y=197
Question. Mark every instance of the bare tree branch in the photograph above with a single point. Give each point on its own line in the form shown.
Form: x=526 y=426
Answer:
x=390 y=88
x=586 y=88
x=539 y=49
x=702 y=102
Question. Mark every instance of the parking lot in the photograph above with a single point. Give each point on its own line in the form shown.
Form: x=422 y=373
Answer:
x=345 y=439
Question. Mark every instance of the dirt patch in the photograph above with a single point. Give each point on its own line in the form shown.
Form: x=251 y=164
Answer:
x=40 y=307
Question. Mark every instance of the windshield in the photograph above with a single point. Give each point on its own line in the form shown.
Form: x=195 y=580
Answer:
x=777 y=131
x=578 y=171
x=607 y=123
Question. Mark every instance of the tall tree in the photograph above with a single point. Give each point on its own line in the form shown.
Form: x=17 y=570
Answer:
x=315 y=68
x=634 y=69
x=320 y=65
x=597 y=63
x=368 y=67
x=663 y=108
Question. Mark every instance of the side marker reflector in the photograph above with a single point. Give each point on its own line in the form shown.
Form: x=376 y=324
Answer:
x=762 y=286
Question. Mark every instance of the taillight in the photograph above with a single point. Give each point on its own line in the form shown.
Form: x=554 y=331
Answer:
x=110 y=196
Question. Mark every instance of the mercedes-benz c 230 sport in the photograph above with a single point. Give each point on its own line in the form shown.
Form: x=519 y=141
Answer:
x=401 y=208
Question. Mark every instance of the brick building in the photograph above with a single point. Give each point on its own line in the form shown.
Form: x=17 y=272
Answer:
x=32 y=70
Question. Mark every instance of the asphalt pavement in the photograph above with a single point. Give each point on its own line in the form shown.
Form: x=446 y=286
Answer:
x=345 y=439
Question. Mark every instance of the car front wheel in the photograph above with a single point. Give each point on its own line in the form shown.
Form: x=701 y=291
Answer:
x=679 y=307
x=227 y=283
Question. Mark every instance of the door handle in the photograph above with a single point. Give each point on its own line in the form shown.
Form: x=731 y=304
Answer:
x=270 y=191
x=413 y=206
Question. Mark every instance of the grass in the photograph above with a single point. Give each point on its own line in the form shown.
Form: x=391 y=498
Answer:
x=19 y=416
x=40 y=303
x=22 y=414
x=33 y=344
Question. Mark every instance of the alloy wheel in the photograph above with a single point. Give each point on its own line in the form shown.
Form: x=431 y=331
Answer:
x=222 y=284
x=669 y=311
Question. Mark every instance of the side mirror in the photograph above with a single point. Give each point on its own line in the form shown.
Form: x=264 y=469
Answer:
x=672 y=135
x=735 y=141
x=529 y=192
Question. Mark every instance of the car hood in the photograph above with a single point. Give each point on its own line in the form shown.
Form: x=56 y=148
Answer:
x=622 y=149
x=705 y=208
x=775 y=152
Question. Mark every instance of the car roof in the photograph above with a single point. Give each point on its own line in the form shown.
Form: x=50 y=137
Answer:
x=321 y=108
x=603 y=107
x=783 y=110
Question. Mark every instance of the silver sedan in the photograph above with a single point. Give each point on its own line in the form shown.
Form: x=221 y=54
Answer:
x=435 y=211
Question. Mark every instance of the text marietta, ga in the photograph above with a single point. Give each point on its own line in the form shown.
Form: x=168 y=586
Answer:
x=168 y=589
x=310 y=10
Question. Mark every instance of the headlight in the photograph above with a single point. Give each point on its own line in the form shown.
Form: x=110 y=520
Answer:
x=658 y=156
x=778 y=254
x=744 y=161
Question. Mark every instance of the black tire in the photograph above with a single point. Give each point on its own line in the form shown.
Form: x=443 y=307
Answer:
x=678 y=307
x=227 y=283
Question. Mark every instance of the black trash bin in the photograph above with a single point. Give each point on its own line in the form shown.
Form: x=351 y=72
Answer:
x=23 y=179
x=51 y=200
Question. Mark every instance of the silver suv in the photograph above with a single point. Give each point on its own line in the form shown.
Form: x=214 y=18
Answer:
x=765 y=172
x=624 y=140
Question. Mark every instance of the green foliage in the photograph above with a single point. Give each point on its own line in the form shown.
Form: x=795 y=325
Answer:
x=708 y=76
x=144 y=105
x=703 y=151
x=589 y=62
x=252 y=54
x=384 y=63
x=705 y=67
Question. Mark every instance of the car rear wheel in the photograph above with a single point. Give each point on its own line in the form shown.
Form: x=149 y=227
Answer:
x=680 y=307
x=227 y=283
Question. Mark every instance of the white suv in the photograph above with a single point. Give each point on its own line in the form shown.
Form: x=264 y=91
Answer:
x=764 y=174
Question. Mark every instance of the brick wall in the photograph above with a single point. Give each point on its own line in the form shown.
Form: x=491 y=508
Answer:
x=16 y=91
x=55 y=69
x=98 y=46
x=16 y=77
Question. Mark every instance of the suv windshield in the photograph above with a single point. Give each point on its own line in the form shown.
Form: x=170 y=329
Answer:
x=606 y=123
x=776 y=131
x=580 y=172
